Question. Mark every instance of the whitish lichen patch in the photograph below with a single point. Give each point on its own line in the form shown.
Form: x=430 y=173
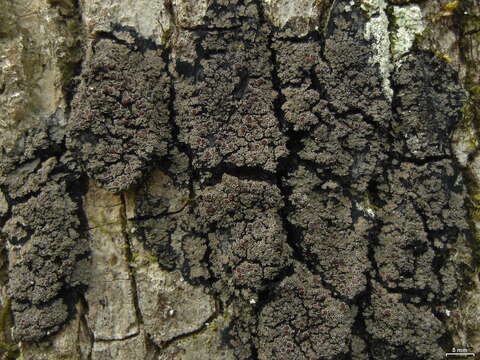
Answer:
x=282 y=11
x=376 y=29
x=409 y=23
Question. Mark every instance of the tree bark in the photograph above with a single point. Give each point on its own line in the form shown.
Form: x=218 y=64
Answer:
x=239 y=179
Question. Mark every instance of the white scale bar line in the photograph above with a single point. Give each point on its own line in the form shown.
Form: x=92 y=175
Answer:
x=460 y=354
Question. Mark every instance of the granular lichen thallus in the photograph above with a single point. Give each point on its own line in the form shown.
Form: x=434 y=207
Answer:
x=45 y=234
x=321 y=207
x=120 y=117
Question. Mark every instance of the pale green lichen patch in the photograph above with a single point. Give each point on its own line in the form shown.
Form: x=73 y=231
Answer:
x=408 y=24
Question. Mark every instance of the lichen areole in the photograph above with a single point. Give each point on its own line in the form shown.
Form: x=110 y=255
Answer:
x=120 y=116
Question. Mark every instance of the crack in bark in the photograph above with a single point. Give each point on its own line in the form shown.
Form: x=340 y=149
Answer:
x=128 y=337
x=84 y=322
x=198 y=331
x=129 y=257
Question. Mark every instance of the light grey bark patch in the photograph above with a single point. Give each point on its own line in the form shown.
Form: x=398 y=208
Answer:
x=408 y=23
x=130 y=348
x=111 y=311
x=205 y=345
x=120 y=116
x=151 y=19
x=3 y=204
x=171 y=307
x=298 y=18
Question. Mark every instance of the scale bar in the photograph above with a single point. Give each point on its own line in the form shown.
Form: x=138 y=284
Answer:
x=460 y=354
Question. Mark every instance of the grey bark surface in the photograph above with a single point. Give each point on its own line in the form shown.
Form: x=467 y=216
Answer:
x=239 y=179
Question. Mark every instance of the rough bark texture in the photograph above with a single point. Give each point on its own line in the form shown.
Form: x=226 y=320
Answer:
x=239 y=179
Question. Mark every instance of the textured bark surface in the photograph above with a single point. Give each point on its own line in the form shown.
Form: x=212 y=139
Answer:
x=239 y=179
